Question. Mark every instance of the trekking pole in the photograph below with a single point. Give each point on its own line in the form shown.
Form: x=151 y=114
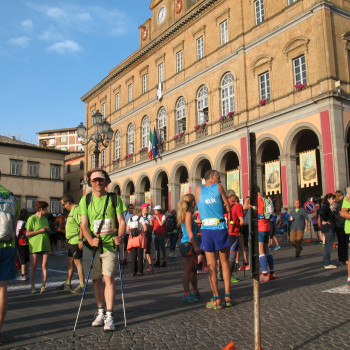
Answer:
x=121 y=284
x=86 y=283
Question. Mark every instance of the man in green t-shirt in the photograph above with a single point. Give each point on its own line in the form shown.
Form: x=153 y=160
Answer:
x=105 y=261
x=346 y=215
x=8 y=204
x=74 y=236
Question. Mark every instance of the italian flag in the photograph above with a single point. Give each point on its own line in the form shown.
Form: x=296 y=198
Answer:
x=150 y=145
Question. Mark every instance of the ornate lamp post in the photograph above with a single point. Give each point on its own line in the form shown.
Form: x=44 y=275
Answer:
x=103 y=134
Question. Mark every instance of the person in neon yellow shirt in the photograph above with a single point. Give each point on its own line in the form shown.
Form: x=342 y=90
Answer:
x=105 y=261
x=7 y=255
x=37 y=228
x=345 y=213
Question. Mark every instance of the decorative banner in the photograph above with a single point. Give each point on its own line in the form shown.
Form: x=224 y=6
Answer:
x=233 y=181
x=308 y=168
x=184 y=189
x=272 y=177
x=148 y=197
x=132 y=199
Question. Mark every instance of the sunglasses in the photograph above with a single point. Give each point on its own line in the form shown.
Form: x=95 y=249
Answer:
x=98 y=180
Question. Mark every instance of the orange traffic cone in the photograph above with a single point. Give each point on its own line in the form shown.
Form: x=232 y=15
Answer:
x=230 y=346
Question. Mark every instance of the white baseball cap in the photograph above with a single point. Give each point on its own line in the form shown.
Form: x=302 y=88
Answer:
x=157 y=207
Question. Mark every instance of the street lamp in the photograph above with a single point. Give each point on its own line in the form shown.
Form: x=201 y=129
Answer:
x=103 y=134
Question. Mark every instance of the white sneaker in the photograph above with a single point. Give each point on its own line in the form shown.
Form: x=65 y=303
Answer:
x=330 y=267
x=109 y=323
x=99 y=320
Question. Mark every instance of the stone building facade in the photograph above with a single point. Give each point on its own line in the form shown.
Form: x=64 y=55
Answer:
x=210 y=72
x=32 y=173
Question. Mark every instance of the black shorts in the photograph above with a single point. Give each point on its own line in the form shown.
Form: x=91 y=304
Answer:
x=74 y=252
x=23 y=254
x=53 y=238
x=186 y=249
x=148 y=243
x=60 y=236
x=316 y=228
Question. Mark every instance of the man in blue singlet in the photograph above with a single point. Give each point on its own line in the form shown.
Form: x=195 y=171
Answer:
x=211 y=200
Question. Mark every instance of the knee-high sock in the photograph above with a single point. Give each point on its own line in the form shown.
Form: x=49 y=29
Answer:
x=269 y=259
x=263 y=264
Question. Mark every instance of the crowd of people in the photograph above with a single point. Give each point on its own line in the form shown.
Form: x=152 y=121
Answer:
x=210 y=228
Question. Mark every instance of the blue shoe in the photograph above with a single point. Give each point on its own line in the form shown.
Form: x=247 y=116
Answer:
x=278 y=247
x=196 y=294
x=189 y=298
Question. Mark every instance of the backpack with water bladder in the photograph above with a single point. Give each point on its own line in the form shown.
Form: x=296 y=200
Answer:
x=7 y=217
x=268 y=209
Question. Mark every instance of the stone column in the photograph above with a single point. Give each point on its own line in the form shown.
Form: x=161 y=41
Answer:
x=156 y=196
x=174 y=194
x=140 y=198
x=193 y=183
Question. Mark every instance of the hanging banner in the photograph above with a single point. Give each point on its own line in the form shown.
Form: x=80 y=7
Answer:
x=148 y=197
x=184 y=189
x=308 y=168
x=132 y=199
x=233 y=181
x=272 y=177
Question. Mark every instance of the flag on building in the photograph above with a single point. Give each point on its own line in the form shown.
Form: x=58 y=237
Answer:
x=154 y=143
x=150 y=145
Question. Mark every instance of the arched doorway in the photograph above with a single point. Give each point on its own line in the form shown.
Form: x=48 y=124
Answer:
x=129 y=193
x=179 y=184
x=116 y=189
x=307 y=140
x=144 y=191
x=160 y=190
x=268 y=164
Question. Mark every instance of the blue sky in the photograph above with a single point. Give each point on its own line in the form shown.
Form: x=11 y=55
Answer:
x=53 y=52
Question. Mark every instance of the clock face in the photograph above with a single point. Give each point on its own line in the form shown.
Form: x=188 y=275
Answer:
x=161 y=14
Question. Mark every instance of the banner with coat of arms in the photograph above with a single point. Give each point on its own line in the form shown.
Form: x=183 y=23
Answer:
x=148 y=197
x=272 y=177
x=132 y=199
x=308 y=168
x=184 y=189
x=233 y=181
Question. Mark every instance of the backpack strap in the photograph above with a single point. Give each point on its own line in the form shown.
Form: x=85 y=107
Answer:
x=88 y=199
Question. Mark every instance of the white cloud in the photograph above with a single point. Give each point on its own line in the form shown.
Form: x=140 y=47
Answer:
x=27 y=24
x=65 y=47
x=21 y=42
x=56 y=13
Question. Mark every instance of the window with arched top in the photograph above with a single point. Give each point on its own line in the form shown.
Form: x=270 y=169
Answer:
x=180 y=115
x=130 y=139
x=202 y=104
x=162 y=123
x=117 y=144
x=145 y=131
x=227 y=94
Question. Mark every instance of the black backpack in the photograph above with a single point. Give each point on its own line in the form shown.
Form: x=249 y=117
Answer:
x=170 y=224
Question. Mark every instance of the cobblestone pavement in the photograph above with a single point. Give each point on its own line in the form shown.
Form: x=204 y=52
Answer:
x=307 y=307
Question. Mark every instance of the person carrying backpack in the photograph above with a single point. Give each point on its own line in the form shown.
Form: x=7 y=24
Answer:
x=137 y=241
x=9 y=213
x=22 y=244
x=101 y=216
x=172 y=230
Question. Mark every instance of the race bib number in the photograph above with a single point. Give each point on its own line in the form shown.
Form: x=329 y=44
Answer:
x=210 y=222
x=107 y=227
